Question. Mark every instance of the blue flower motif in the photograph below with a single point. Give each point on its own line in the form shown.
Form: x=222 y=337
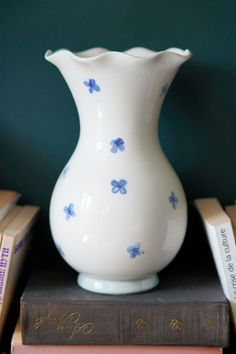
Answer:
x=119 y=186
x=173 y=200
x=117 y=145
x=59 y=249
x=69 y=212
x=164 y=90
x=135 y=250
x=91 y=84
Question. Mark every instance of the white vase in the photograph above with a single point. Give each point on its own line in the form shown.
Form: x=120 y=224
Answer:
x=118 y=211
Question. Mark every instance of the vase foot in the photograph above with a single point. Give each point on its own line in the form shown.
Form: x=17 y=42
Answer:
x=117 y=287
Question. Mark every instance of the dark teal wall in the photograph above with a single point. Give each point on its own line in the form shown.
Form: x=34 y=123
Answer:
x=39 y=126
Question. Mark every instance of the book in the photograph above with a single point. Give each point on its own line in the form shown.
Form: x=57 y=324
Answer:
x=7 y=220
x=7 y=200
x=17 y=347
x=16 y=233
x=186 y=308
x=221 y=239
x=231 y=211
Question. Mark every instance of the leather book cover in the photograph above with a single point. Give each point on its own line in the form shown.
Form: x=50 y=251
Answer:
x=186 y=308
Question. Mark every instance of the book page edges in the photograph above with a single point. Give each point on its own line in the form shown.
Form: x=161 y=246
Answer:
x=22 y=221
x=211 y=211
x=231 y=211
x=10 y=217
x=6 y=196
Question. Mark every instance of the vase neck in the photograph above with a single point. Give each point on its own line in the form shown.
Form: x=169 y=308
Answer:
x=101 y=127
x=118 y=92
x=120 y=106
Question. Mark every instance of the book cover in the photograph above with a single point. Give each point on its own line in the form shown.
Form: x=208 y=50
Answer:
x=15 y=241
x=221 y=239
x=7 y=200
x=186 y=308
x=19 y=348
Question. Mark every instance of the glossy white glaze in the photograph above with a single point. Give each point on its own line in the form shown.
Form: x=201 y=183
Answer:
x=118 y=211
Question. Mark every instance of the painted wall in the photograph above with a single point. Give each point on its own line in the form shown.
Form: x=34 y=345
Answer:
x=39 y=125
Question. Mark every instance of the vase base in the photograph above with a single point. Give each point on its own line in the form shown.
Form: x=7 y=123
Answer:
x=117 y=287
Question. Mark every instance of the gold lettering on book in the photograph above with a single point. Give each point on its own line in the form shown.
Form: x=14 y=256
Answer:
x=141 y=324
x=70 y=323
x=208 y=324
x=176 y=325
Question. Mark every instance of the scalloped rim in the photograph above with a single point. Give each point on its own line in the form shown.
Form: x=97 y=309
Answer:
x=137 y=53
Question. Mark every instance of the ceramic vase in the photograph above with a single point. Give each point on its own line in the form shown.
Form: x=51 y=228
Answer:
x=118 y=211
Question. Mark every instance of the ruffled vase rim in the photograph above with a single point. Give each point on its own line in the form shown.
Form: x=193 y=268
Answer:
x=134 y=53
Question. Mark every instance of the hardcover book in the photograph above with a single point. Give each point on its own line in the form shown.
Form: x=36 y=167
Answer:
x=16 y=237
x=186 y=308
x=19 y=348
x=221 y=239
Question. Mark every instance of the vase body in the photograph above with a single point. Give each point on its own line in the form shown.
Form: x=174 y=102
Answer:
x=118 y=211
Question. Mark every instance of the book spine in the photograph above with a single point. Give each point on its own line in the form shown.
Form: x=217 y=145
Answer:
x=222 y=243
x=96 y=323
x=226 y=243
x=5 y=261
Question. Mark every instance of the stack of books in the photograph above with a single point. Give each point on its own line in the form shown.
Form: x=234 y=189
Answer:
x=186 y=313
x=19 y=348
x=16 y=230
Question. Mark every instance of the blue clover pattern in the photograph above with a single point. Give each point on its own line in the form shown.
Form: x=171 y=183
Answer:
x=164 y=90
x=92 y=86
x=117 y=145
x=173 y=200
x=69 y=211
x=135 y=250
x=119 y=186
